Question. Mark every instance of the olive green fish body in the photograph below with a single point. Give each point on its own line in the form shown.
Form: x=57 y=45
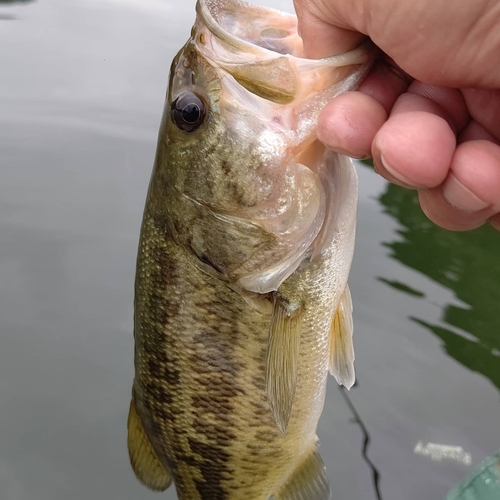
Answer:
x=241 y=298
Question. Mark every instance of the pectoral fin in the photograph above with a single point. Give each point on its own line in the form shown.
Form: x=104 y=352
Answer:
x=148 y=469
x=283 y=358
x=341 y=346
x=308 y=482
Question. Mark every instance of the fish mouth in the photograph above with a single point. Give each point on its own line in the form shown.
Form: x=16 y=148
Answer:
x=262 y=50
x=250 y=27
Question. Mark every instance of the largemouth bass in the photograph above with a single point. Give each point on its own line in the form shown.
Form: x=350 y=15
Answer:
x=241 y=297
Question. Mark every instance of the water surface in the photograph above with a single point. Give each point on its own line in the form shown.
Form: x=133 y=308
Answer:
x=81 y=95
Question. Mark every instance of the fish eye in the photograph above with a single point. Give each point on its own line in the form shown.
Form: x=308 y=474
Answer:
x=188 y=111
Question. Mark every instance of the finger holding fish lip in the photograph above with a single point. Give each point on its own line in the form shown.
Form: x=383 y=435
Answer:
x=350 y=122
x=415 y=146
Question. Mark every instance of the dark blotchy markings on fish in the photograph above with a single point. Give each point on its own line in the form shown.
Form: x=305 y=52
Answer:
x=213 y=466
x=214 y=457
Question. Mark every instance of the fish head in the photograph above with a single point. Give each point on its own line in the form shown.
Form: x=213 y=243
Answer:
x=228 y=143
x=237 y=151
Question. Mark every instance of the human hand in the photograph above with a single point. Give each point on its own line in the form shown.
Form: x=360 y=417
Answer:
x=438 y=130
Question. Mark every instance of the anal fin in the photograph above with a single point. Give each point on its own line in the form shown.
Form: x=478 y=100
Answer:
x=148 y=469
x=308 y=482
x=283 y=358
x=341 y=344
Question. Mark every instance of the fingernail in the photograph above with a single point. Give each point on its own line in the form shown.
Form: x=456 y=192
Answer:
x=387 y=174
x=458 y=196
x=394 y=174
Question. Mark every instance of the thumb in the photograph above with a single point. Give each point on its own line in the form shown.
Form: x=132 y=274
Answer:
x=322 y=36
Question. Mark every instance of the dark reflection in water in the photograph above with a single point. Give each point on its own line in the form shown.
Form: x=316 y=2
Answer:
x=468 y=264
x=10 y=17
x=376 y=477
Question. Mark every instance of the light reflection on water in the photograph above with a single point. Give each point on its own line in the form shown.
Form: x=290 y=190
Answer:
x=81 y=96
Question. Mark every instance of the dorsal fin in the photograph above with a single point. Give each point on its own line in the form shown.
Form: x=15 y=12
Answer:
x=148 y=469
x=283 y=358
x=341 y=345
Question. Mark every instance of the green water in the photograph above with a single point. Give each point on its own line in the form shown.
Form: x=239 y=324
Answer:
x=466 y=263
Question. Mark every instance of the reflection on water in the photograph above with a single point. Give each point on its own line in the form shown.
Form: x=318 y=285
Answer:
x=469 y=328
x=466 y=263
x=376 y=477
x=14 y=1
x=7 y=16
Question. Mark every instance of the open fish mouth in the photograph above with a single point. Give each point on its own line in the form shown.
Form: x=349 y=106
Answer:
x=262 y=50
x=243 y=24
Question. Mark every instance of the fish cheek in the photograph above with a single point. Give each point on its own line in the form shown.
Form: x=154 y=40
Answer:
x=225 y=243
